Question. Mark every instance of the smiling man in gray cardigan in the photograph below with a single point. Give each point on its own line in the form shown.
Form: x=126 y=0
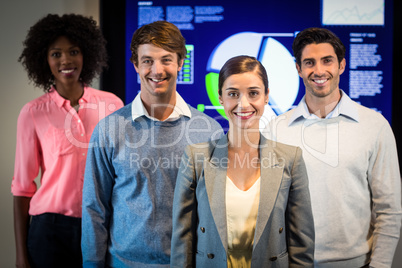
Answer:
x=351 y=160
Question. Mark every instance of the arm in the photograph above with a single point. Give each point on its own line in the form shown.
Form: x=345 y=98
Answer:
x=300 y=217
x=96 y=204
x=385 y=184
x=184 y=236
x=27 y=162
x=21 y=223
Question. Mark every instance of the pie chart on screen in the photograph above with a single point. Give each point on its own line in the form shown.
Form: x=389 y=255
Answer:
x=275 y=57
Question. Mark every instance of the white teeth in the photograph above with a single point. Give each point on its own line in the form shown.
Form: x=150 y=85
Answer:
x=156 y=80
x=67 y=71
x=245 y=114
x=320 y=81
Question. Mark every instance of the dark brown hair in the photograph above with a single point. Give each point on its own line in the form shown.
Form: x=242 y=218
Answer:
x=242 y=64
x=317 y=36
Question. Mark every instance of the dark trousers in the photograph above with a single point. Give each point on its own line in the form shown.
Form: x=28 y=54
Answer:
x=54 y=240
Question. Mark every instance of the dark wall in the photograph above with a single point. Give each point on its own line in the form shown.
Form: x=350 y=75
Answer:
x=112 y=23
x=397 y=69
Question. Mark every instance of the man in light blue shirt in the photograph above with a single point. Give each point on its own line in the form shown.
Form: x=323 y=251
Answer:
x=351 y=160
x=134 y=159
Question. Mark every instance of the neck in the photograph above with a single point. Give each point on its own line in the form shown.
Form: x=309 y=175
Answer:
x=244 y=139
x=322 y=106
x=72 y=92
x=160 y=107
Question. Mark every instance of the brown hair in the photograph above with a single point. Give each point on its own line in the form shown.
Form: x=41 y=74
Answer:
x=317 y=36
x=162 y=34
x=242 y=64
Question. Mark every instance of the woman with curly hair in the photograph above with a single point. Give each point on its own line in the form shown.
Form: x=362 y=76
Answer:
x=62 y=55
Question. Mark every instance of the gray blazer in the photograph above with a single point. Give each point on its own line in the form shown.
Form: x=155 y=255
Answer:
x=284 y=233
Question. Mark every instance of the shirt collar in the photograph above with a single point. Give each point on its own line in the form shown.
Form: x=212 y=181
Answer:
x=60 y=101
x=181 y=108
x=345 y=107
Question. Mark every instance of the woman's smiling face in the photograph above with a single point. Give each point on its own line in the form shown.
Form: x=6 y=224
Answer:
x=243 y=98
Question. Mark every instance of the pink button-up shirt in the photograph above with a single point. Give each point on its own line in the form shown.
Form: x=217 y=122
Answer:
x=53 y=138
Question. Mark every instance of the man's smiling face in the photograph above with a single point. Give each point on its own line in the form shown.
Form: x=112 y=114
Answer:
x=158 y=70
x=320 y=70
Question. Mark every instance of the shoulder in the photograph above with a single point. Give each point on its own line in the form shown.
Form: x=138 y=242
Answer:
x=195 y=114
x=366 y=113
x=281 y=148
x=370 y=122
x=36 y=104
x=204 y=149
x=117 y=119
x=277 y=125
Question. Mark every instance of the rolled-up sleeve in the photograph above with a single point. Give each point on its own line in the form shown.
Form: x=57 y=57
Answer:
x=27 y=155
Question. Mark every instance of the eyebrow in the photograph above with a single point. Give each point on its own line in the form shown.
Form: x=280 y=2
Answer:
x=57 y=48
x=323 y=58
x=149 y=57
x=233 y=88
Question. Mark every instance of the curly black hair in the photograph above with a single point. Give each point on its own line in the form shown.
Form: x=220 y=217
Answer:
x=81 y=31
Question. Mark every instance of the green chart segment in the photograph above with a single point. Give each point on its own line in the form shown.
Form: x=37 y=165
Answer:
x=211 y=82
x=186 y=74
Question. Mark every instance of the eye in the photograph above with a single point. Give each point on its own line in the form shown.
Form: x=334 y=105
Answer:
x=328 y=60
x=233 y=94
x=167 y=60
x=254 y=93
x=74 y=52
x=146 y=61
x=55 y=54
x=308 y=63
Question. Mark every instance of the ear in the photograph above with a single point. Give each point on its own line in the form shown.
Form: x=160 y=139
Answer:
x=220 y=99
x=298 y=69
x=342 y=66
x=267 y=96
x=181 y=62
x=135 y=67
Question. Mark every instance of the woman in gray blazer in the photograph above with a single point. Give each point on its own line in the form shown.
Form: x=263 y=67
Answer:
x=242 y=200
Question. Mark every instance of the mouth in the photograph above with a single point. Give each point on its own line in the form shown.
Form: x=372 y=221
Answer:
x=67 y=71
x=157 y=80
x=320 y=81
x=244 y=115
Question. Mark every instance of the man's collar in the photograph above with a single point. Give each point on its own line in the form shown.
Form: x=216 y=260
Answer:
x=181 y=108
x=345 y=107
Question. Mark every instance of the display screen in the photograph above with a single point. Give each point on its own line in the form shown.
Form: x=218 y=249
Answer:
x=218 y=30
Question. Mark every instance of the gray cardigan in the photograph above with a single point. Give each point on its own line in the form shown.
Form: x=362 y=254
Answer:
x=284 y=234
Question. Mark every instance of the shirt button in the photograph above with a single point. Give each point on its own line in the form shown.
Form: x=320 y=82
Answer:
x=82 y=134
x=273 y=258
x=79 y=121
x=210 y=256
x=280 y=230
x=202 y=229
x=83 y=154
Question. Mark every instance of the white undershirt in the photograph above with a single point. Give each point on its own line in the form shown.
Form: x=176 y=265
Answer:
x=241 y=214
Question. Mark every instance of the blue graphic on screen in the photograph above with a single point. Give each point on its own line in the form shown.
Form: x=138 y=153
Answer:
x=218 y=30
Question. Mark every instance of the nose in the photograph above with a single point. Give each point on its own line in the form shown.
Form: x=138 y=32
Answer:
x=157 y=67
x=243 y=102
x=319 y=69
x=65 y=58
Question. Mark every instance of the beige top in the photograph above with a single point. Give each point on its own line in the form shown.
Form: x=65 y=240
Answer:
x=241 y=217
